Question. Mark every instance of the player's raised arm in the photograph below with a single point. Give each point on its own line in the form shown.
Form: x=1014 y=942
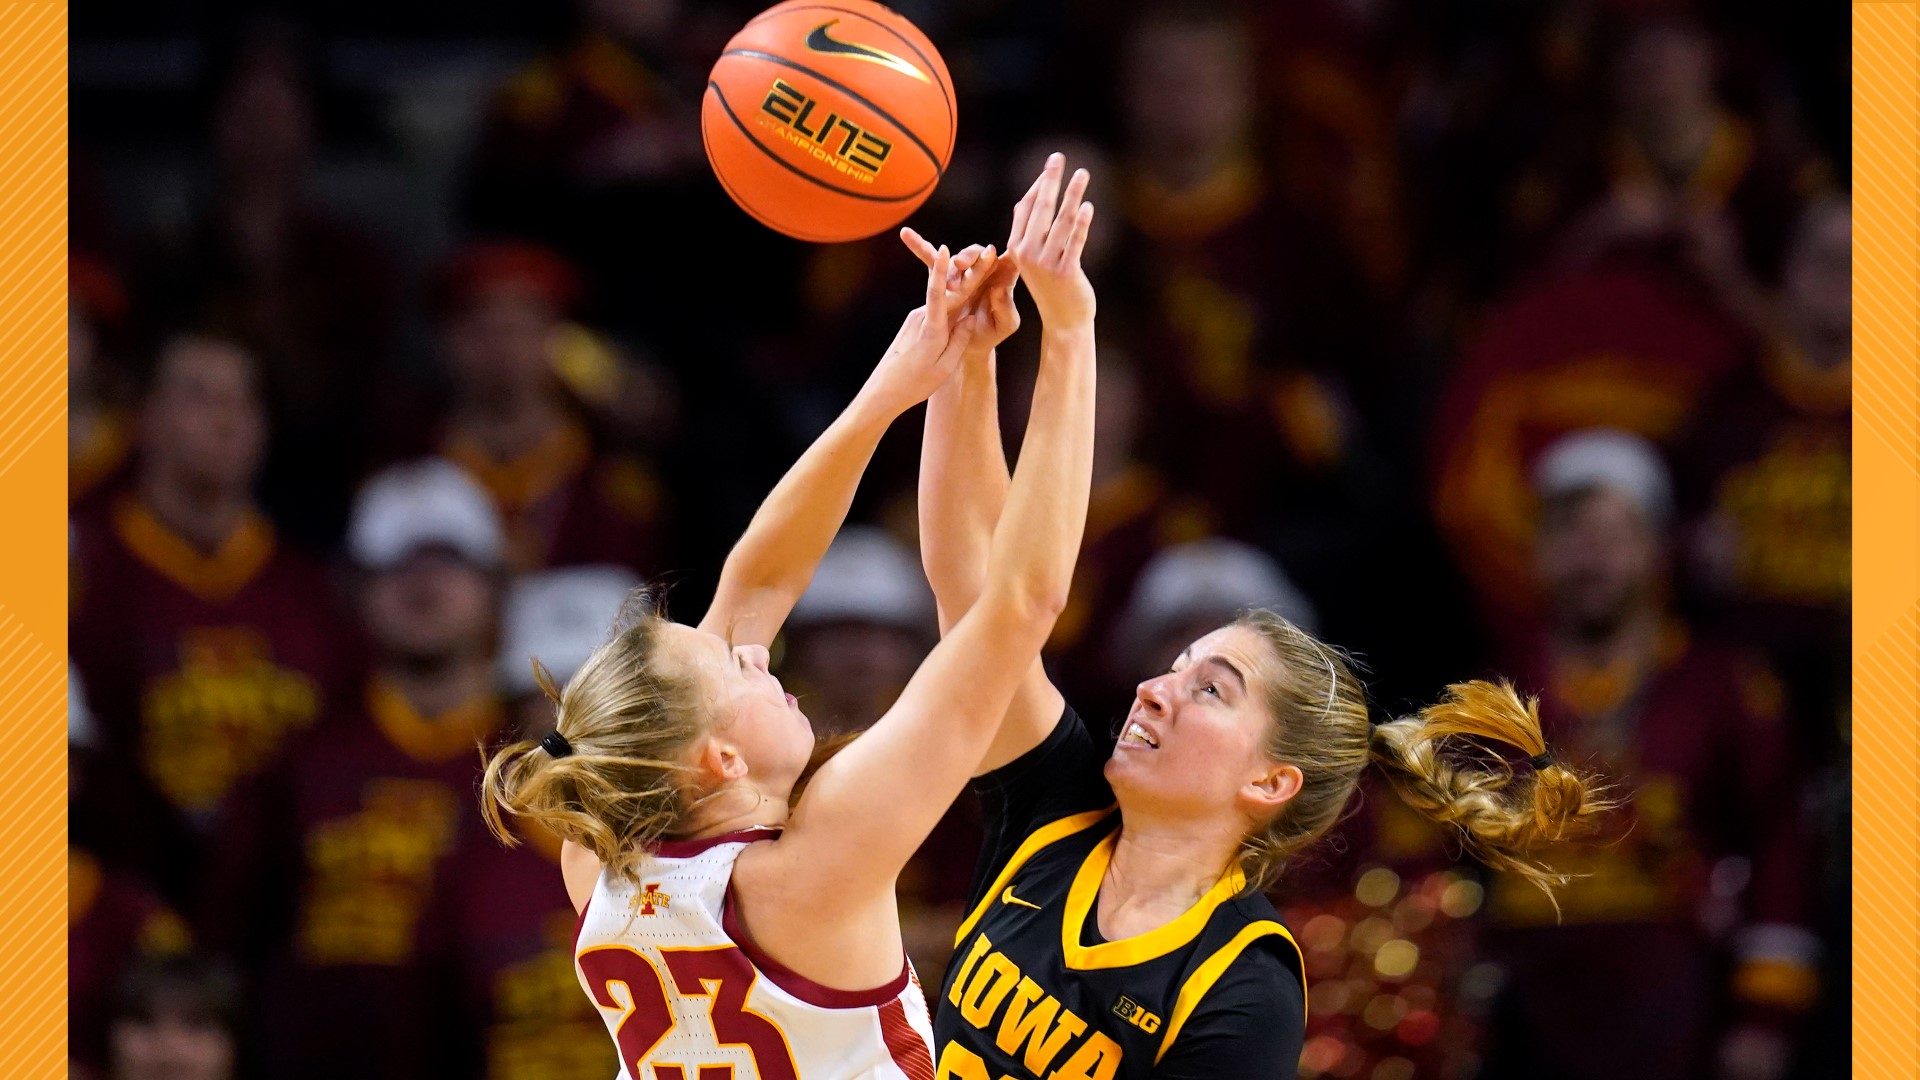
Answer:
x=963 y=486
x=775 y=558
x=870 y=807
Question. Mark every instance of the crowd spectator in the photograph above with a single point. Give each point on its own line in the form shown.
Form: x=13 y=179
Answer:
x=176 y=1018
x=114 y=919
x=314 y=293
x=1768 y=480
x=329 y=866
x=568 y=491
x=207 y=641
x=1689 y=931
x=99 y=439
x=501 y=914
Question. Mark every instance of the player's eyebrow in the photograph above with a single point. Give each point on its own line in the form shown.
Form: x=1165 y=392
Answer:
x=1231 y=670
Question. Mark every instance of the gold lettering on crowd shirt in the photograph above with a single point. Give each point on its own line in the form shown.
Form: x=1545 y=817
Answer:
x=221 y=717
x=990 y=984
x=543 y=1027
x=1794 y=510
x=369 y=874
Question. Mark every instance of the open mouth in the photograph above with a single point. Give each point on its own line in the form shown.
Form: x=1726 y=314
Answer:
x=792 y=702
x=1135 y=735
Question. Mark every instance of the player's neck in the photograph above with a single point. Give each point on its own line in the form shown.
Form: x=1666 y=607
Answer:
x=742 y=807
x=1160 y=870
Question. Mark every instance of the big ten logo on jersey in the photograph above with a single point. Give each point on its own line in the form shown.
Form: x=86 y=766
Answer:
x=1136 y=1014
x=369 y=874
x=542 y=1026
x=221 y=716
x=1027 y=1022
x=624 y=981
x=828 y=136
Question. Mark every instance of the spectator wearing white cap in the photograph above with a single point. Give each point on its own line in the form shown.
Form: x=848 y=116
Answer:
x=555 y=619
x=432 y=551
x=859 y=631
x=1694 y=729
x=364 y=814
x=1601 y=551
x=1190 y=588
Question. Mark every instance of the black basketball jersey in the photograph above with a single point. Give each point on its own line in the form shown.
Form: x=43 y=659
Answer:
x=1034 y=992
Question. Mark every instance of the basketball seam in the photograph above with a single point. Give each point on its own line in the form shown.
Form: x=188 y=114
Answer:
x=938 y=170
x=946 y=91
x=721 y=97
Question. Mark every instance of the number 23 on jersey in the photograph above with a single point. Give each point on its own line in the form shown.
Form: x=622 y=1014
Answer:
x=721 y=973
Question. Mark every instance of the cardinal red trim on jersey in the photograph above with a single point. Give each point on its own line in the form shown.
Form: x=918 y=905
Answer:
x=908 y=1049
x=799 y=986
x=581 y=923
x=687 y=849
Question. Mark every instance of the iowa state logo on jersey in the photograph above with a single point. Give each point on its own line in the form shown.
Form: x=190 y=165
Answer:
x=650 y=900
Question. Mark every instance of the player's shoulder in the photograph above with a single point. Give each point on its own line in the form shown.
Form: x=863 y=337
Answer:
x=1267 y=951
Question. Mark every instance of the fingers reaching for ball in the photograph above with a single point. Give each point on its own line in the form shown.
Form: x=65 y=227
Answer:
x=1050 y=229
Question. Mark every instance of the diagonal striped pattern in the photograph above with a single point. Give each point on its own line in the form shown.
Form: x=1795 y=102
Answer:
x=1886 y=615
x=33 y=405
x=33 y=895
x=33 y=128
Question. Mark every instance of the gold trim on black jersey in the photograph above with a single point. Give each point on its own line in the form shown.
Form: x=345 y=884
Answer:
x=1142 y=947
x=1052 y=832
x=1210 y=970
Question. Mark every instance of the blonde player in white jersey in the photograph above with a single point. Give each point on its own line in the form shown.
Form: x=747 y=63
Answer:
x=731 y=926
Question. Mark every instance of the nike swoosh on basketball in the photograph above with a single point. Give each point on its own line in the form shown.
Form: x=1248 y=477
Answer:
x=819 y=41
x=1007 y=897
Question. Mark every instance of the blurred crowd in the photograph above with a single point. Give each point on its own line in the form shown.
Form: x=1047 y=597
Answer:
x=1491 y=337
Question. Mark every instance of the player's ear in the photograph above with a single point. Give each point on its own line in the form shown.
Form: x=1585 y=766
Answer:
x=720 y=760
x=1272 y=787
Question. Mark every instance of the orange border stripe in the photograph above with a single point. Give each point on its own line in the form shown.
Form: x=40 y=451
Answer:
x=1886 y=540
x=33 y=481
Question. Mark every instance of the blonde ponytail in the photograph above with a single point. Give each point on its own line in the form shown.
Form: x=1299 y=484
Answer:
x=623 y=783
x=1441 y=763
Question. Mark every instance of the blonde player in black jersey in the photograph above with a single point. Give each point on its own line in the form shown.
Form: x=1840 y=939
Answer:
x=1117 y=928
x=728 y=928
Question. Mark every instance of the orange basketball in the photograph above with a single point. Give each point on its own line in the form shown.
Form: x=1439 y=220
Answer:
x=829 y=121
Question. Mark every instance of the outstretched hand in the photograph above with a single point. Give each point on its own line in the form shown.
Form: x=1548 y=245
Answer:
x=1046 y=243
x=922 y=355
x=990 y=316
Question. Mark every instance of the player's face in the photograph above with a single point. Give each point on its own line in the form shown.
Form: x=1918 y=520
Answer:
x=1196 y=736
x=751 y=710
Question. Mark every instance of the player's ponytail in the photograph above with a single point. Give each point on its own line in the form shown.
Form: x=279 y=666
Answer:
x=621 y=782
x=1443 y=761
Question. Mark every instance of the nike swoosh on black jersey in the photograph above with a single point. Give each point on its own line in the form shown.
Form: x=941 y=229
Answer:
x=820 y=42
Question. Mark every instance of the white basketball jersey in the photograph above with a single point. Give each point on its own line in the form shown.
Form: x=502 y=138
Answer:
x=686 y=995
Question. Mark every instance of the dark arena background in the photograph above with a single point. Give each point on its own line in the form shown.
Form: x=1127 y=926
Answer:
x=1483 y=337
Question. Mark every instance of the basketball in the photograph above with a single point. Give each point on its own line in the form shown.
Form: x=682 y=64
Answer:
x=829 y=121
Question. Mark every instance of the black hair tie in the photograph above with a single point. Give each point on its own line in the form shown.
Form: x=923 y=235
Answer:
x=1541 y=760
x=555 y=744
